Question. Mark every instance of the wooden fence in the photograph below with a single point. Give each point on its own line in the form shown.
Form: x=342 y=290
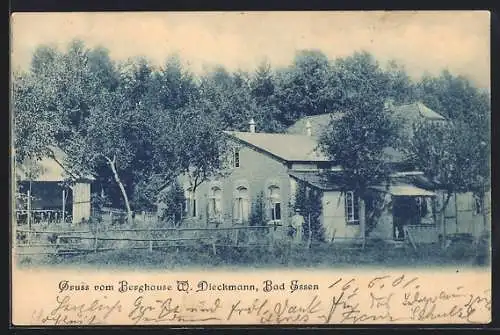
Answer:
x=35 y=242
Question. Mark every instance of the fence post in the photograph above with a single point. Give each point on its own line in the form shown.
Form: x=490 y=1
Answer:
x=150 y=245
x=29 y=209
x=271 y=240
x=214 y=249
x=236 y=237
x=95 y=242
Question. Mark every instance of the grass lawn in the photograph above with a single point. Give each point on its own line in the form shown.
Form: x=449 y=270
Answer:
x=319 y=256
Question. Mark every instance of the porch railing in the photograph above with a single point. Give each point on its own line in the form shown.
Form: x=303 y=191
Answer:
x=42 y=216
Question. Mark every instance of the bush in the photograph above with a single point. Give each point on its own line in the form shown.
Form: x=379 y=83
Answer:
x=258 y=213
x=308 y=201
x=172 y=203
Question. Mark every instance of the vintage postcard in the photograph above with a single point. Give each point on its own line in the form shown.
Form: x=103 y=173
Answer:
x=250 y=168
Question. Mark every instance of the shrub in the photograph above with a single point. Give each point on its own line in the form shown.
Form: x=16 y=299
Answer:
x=308 y=201
x=258 y=213
x=172 y=203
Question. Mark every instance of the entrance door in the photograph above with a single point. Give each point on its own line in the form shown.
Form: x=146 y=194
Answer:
x=404 y=212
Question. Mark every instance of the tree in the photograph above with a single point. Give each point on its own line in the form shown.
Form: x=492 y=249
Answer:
x=358 y=140
x=455 y=154
x=308 y=201
x=227 y=97
x=172 y=202
x=103 y=138
x=258 y=213
x=263 y=87
x=306 y=87
x=200 y=146
x=34 y=125
x=401 y=88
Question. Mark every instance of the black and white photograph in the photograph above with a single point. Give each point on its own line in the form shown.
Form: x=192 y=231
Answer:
x=252 y=141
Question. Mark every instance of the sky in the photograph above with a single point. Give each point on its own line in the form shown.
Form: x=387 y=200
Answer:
x=424 y=42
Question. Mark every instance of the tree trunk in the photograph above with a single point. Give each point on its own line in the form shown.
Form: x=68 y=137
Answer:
x=309 y=238
x=479 y=234
x=483 y=210
x=443 y=219
x=122 y=188
x=362 y=221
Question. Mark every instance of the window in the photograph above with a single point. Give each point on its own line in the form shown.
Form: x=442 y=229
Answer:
x=215 y=203
x=241 y=205
x=274 y=203
x=477 y=206
x=351 y=208
x=276 y=212
x=424 y=209
x=190 y=204
x=236 y=157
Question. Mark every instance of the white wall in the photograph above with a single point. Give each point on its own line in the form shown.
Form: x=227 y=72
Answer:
x=333 y=218
x=81 y=202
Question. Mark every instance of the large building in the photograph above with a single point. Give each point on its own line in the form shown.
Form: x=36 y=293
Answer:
x=270 y=166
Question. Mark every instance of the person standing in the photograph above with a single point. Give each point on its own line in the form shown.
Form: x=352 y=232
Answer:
x=297 y=225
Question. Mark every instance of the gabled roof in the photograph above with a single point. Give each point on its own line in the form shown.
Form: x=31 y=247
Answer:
x=49 y=168
x=288 y=147
x=415 y=111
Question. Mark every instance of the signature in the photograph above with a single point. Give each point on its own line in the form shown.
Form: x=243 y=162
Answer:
x=68 y=313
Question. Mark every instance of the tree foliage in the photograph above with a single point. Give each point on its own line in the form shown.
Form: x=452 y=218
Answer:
x=147 y=125
x=308 y=201
x=358 y=140
x=456 y=153
x=258 y=212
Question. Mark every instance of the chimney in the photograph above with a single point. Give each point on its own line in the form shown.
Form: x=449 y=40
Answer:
x=252 y=125
x=389 y=104
x=308 y=128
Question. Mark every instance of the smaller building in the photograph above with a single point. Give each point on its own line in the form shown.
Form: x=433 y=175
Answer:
x=47 y=191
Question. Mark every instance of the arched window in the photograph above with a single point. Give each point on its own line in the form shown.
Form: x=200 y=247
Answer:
x=274 y=202
x=215 y=203
x=241 y=205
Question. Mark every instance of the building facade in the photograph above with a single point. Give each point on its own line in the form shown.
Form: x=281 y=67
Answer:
x=266 y=169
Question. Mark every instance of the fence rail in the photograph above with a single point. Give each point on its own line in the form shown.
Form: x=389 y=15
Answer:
x=83 y=241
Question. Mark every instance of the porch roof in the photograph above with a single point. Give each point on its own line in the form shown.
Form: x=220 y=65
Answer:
x=318 y=180
x=50 y=168
x=405 y=190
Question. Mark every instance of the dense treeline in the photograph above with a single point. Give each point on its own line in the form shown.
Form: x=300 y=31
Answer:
x=138 y=125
